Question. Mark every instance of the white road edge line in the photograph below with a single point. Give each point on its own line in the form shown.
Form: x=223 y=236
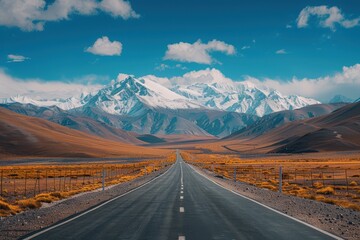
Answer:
x=272 y=209
x=93 y=209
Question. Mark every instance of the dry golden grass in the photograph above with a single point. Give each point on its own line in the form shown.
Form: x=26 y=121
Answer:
x=353 y=183
x=326 y=191
x=11 y=205
x=267 y=185
x=318 y=185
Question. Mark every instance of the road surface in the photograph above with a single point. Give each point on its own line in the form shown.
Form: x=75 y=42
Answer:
x=181 y=204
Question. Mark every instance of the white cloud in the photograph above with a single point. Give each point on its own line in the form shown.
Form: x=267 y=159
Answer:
x=245 y=47
x=288 y=26
x=118 y=8
x=180 y=66
x=328 y=17
x=162 y=67
x=281 y=51
x=31 y=15
x=103 y=46
x=345 y=83
x=197 y=52
x=39 y=89
x=16 y=58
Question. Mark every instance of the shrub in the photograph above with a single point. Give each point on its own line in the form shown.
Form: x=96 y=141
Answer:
x=353 y=183
x=29 y=203
x=318 y=185
x=326 y=191
x=4 y=205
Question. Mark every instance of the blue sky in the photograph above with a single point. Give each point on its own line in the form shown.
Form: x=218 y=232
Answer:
x=267 y=41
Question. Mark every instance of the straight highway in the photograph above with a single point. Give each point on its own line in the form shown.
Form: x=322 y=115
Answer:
x=181 y=204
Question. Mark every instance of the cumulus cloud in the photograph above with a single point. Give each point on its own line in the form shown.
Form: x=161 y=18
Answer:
x=118 y=8
x=40 y=89
x=281 y=51
x=16 y=58
x=31 y=15
x=197 y=52
x=328 y=17
x=346 y=82
x=104 y=47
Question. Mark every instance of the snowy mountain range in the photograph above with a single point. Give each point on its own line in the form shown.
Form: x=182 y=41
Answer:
x=210 y=90
x=199 y=103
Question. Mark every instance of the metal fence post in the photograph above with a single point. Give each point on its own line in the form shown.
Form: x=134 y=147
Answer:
x=1 y=183
x=280 y=179
x=103 y=179
x=25 y=183
x=234 y=174
x=46 y=181
x=347 y=182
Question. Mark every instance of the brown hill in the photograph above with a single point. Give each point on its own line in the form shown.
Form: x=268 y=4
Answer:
x=337 y=131
x=29 y=136
x=277 y=119
x=81 y=123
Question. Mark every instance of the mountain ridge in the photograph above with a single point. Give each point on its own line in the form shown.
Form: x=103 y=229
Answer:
x=128 y=95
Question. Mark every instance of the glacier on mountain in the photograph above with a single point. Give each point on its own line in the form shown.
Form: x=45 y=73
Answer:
x=205 y=89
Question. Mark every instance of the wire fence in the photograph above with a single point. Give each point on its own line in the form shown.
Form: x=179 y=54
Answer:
x=276 y=177
x=25 y=182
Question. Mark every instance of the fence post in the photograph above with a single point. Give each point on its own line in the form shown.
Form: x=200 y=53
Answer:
x=347 y=183
x=54 y=176
x=25 y=182
x=65 y=180
x=59 y=180
x=235 y=174
x=46 y=181
x=39 y=181
x=1 y=184
x=280 y=179
x=84 y=173
x=14 y=186
x=103 y=179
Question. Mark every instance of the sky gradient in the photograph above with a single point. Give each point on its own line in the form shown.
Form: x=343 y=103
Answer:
x=262 y=39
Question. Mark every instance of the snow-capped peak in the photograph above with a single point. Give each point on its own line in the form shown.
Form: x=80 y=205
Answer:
x=129 y=95
x=209 y=88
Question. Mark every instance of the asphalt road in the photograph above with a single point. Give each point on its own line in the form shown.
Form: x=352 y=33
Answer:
x=163 y=209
